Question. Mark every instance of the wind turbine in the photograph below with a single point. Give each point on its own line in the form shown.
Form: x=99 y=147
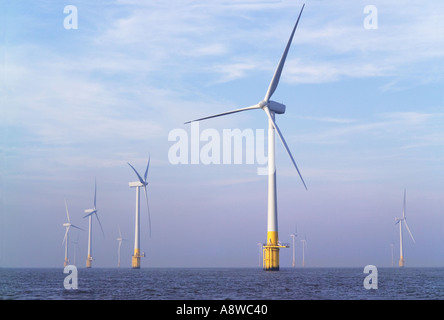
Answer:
x=271 y=108
x=294 y=235
x=76 y=242
x=90 y=213
x=400 y=221
x=260 y=244
x=141 y=183
x=391 y=249
x=67 y=225
x=304 y=245
x=120 y=239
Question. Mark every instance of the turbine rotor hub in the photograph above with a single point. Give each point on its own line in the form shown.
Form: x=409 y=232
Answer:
x=263 y=104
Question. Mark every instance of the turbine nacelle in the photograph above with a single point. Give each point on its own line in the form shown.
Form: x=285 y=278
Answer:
x=274 y=106
x=137 y=184
x=90 y=212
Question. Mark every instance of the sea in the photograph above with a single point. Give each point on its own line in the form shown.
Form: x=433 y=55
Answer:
x=182 y=284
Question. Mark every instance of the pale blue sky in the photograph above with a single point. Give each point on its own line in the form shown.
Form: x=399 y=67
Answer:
x=364 y=120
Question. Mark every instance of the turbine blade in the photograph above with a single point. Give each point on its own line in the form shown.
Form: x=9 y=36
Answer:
x=274 y=82
x=100 y=224
x=66 y=235
x=408 y=229
x=138 y=175
x=67 y=213
x=77 y=228
x=89 y=214
x=149 y=216
x=146 y=171
x=120 y=233
x=95 y=192
x=403 y=208
x=267 y=111
x=256 y=106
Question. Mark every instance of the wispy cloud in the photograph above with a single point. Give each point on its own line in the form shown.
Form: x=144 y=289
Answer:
x=327 y=119
x=392 y=125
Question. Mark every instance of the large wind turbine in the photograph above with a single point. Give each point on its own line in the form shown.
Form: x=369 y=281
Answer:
x=120 y=239
x=67 y=225
x=90 y=213
x=271 y=247
x=400 y=221
x=141 y=183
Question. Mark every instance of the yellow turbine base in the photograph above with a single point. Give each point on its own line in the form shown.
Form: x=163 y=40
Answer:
x=89 y=262
x=66 y=262
x=136 y=259
x=271 y=252
x=401 y=262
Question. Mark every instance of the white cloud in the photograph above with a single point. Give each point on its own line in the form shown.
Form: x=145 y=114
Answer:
x=233 y=71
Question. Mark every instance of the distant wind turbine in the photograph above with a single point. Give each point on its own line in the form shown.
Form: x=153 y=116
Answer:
x=67 y=225
x=304 y=245
x=402 y=220
x=76 y=243
x=260 y=244
x=294 y=235
x=141 y=183
x=120 y=239
x=391 y=248
x=90 y=213
x=271 y=108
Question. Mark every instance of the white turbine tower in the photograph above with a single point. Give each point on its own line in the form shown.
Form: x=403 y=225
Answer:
x=90 y=213
x=294 y=235
x=402 y=220
x=304 y=245
x=120 y=239
x=141 y=183
x=271 y=260
x=67 y=225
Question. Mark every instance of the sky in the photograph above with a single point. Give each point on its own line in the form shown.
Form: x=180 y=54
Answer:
x=364 y=96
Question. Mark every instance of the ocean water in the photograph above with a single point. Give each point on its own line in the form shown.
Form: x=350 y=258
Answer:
x=222 y=284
